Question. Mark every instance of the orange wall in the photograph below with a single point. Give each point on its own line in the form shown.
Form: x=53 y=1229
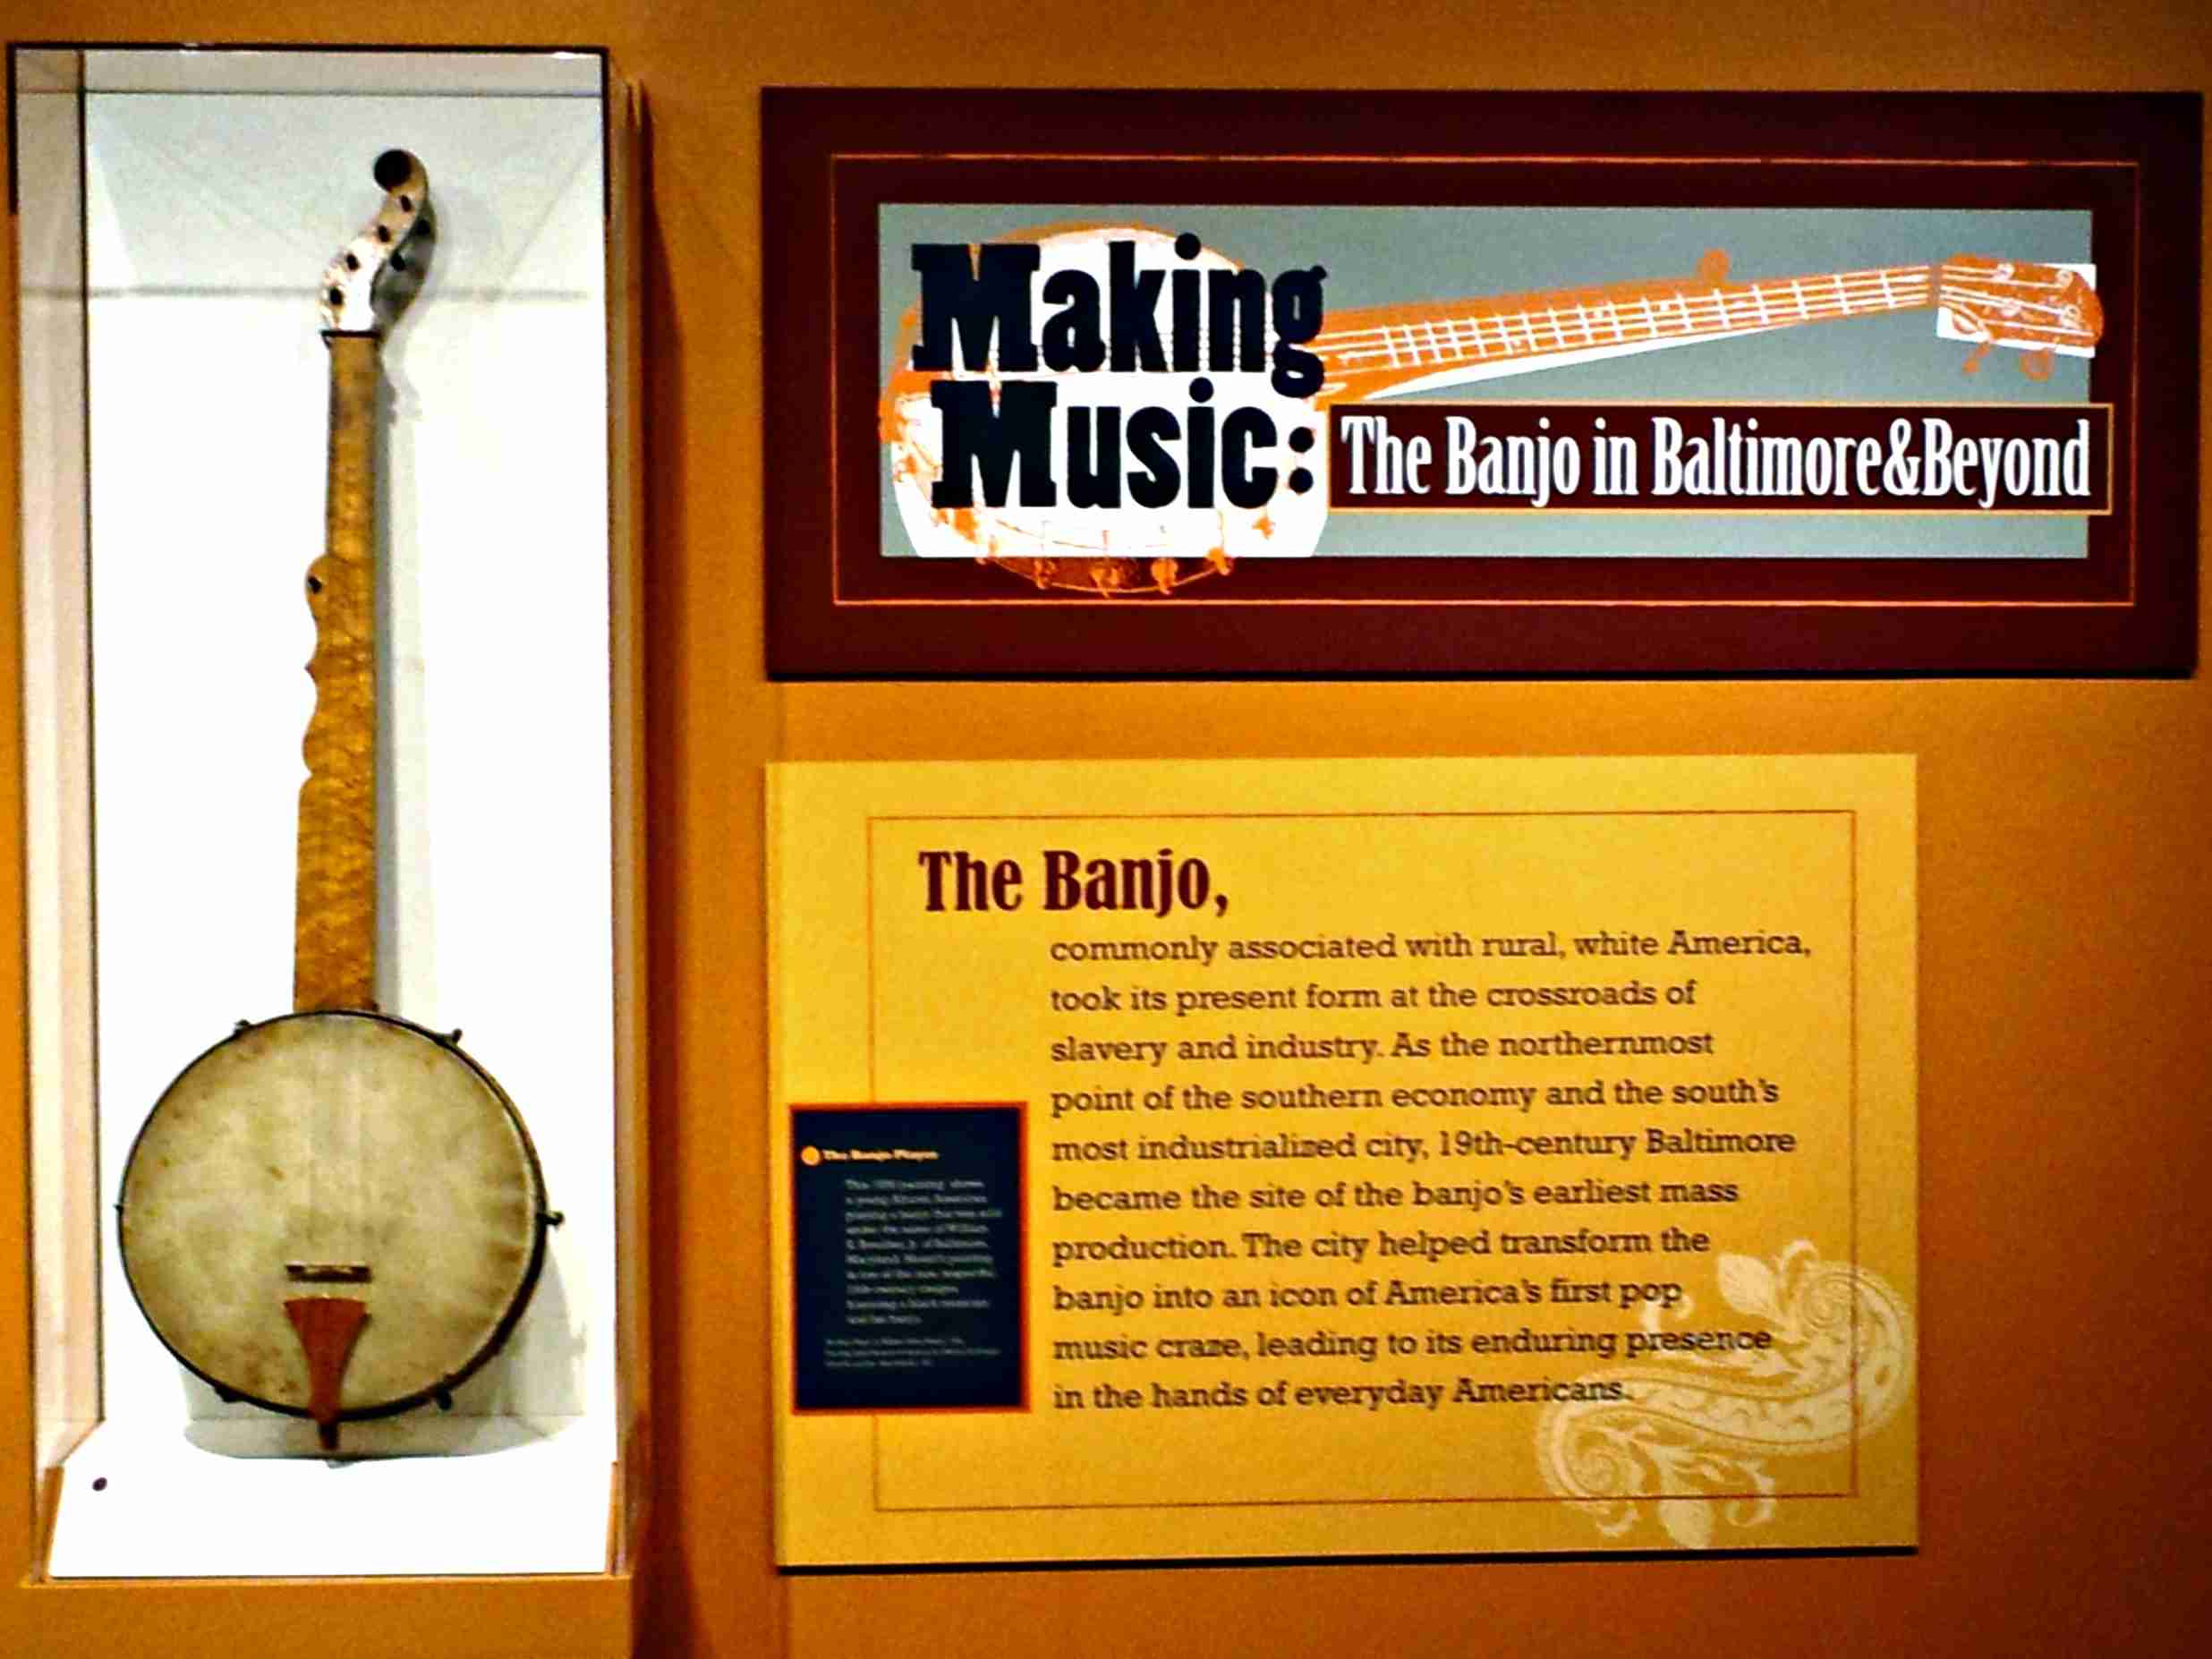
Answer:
x=2065 y=992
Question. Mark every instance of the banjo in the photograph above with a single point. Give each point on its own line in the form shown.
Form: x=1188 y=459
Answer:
x=337 y=1213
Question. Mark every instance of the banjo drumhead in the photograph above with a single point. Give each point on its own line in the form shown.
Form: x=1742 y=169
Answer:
x=323 y=1144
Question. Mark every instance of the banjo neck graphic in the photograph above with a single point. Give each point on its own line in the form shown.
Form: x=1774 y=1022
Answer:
x=337 y=1213
x=2039 y=310
x=2036 y=308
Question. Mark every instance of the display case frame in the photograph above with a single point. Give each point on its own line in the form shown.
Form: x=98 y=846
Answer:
x=542 y=267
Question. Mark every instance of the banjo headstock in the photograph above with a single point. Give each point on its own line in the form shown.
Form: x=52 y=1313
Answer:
x=373 y=277
x=2031 y=308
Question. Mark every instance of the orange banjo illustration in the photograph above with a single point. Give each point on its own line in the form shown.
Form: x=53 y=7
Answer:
x=2039 y=310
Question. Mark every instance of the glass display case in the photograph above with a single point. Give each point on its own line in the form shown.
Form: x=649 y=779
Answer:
x=175 y=210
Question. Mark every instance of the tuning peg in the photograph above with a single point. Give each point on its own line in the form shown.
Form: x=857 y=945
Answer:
x=1972 y=365
x=2037 y=365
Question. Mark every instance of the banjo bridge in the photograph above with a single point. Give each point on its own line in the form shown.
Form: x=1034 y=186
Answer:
x=328 y=1273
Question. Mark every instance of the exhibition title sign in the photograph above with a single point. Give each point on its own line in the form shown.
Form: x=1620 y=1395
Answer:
x=1064 y=396
x=1846 y=387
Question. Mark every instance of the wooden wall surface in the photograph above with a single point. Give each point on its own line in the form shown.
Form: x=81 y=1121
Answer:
x=2065 y=984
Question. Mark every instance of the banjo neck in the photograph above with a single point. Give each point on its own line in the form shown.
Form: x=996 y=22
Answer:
x=334 y=960
x=334 y=952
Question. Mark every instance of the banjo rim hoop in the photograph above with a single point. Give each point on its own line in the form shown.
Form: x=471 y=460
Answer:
x=526 y=1285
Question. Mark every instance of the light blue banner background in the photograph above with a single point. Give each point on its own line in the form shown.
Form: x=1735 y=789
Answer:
x=1382 y=256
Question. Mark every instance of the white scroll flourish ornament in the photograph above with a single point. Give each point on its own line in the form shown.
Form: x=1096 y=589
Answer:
x=1695 y=1438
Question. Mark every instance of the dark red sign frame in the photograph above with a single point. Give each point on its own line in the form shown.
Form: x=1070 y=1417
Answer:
x=836 y=607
